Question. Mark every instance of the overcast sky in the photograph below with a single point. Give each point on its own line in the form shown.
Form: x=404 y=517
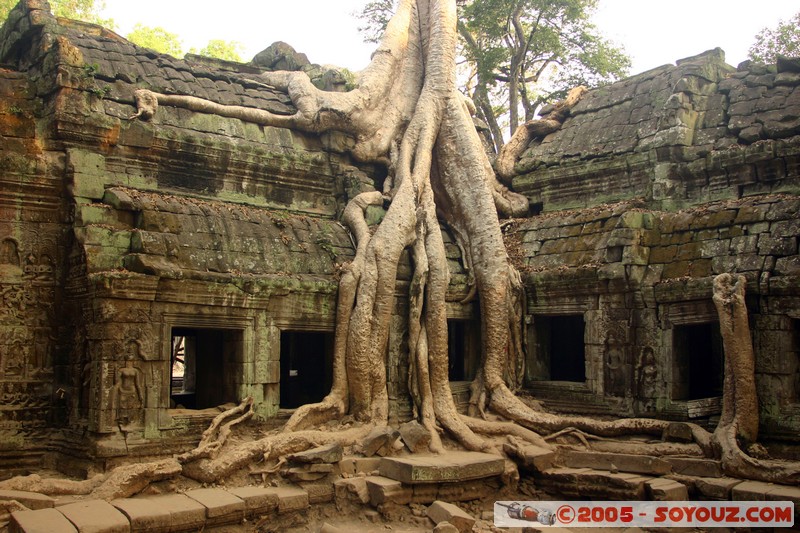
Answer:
x=653 y=32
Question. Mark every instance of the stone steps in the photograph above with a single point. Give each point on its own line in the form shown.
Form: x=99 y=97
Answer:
x=450 y=466
x=193 y=510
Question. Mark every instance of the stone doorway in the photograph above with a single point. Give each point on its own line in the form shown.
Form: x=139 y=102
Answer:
x=306 y=367
x=203 y=367
x=559 y=350
x=464 y=349
x=698 y=361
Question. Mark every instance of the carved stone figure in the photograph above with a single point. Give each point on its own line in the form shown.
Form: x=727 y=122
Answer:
x=127 y=399
x=646 y=376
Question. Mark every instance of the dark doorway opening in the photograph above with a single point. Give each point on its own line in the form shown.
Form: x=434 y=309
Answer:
x=463 y=346
x=306 y=367
x=204 y=367
x=698 y=361
x=560 y=349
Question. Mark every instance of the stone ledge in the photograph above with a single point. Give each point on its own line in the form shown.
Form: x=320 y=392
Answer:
x=40 y=521
x=31 y=500
x=444 y=468
x=94 y=516
x=222 y=507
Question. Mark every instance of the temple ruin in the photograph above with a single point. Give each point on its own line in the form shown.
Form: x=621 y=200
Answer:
x=154 y=270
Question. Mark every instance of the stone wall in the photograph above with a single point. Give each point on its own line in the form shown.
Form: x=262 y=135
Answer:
x=653 y=186
x=34 y=218
x=635 y=274
x=115 y=234
x=674 y=136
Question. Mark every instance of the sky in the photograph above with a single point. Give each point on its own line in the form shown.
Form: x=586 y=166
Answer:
x=652 y=32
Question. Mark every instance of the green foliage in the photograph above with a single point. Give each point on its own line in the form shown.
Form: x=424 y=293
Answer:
x=85 y=10
x=156 y=38
x=520 y=54
x=375 y=16
x=217 y=48
x=771 y=42
x=5 y=7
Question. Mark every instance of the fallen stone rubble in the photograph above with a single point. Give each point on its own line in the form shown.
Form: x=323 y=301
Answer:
x=438 y=492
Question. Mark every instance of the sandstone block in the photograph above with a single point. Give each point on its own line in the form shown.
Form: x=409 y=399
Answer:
x=468 y=490
x=40 y=521
x=425 y=493
x=415 y=436
x=331 y=453
x=440 y=511
x=380 y=441
x=186 y=514
x=678 y=432
x=257 y=500
x=716 y=488
x=382 y=490
x=31 y=500
x=299 y=474
x=666 y=490
x=318 y=492
x=781 y=493
x=532 y=457
x=690 y=466
x=353 y=489
x=290 y=499
x=144 y=514
x=640 y=464
x=751 y=491
x=222 y=507
x=446 y=467
x=358 y=465
x=95 y=516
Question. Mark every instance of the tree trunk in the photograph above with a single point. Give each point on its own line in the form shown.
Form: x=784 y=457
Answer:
x=406 y=112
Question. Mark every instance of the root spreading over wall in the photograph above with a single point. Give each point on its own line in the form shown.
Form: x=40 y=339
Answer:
x=407 y=114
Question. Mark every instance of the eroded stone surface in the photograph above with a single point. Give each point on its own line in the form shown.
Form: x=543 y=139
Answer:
x=440 y=512
x=446 y=467
x=40 y=521
x=31 y=500
x=95 y=516
x=145 y=514
x=222 y=507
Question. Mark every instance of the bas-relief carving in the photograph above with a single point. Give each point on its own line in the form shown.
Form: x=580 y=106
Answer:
x=646 y=380
x=9 y=256
x=127 y=403
x=617 y=378
x=27 y=298
x=127 y=393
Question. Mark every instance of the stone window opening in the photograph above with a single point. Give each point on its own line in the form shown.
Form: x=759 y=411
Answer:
x=697 y=361
x=559 y=350
x=463 y=345
x=306 y=367
x=203 y=367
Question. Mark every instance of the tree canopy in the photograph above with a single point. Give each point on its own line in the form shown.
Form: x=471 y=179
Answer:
x=156 y=38
x=520 y=54
x=229 y=50
x=85 y=10
x=781 y=40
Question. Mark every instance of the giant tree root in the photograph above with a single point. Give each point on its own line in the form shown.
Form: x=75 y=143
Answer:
x=217 y=433
x=268 y=448
x=407 y=114
x=125 y=481
x=738 y=425
x=52 y=486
